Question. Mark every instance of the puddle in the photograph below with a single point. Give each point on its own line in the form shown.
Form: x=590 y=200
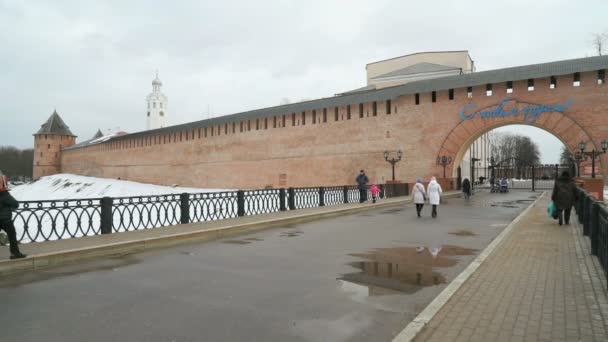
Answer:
x=293 y=233
x=254 y=239
x=506 y=204
x=109 y=264
x=463 y=232
x=236 y=242
x=402 y=269
x=393 y=211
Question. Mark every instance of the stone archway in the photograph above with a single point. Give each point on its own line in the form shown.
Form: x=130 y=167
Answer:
x=553 y=120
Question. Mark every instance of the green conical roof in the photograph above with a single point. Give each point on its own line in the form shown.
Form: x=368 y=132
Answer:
x=55 y=125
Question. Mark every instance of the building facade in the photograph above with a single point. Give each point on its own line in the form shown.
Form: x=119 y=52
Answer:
x=327 y=141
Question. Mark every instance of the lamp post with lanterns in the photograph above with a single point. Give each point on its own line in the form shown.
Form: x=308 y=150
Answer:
x=593 y=154
x=393 y=160
x=444 y=161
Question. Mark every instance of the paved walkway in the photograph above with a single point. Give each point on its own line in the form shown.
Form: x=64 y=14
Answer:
x=539 y=284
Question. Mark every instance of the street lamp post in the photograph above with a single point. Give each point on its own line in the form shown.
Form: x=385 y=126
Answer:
x=393 y=160
x=593 y=153
x=492 y=167
x=444 y=161
x=578 y=158
x=473 y=161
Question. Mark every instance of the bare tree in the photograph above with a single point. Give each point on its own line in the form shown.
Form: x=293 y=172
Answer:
x=599 y=42
x=16 y=163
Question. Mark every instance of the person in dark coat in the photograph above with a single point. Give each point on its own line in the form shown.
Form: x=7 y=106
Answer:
x=7 y=204
x=563 y=196
x=362 y=181
x=466 y=188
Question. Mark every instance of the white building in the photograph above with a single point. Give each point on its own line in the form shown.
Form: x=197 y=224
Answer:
x=157 y=106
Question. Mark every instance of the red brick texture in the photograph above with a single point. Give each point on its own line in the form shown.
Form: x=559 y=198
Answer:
x=332 y=152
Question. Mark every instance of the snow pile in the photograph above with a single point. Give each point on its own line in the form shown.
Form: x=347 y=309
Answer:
x=68 y=186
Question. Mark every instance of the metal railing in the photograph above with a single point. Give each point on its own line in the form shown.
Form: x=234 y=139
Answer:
x=593 y=215
x=63 y=219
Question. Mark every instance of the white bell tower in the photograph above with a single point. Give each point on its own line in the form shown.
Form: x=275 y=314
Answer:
x=157 y=106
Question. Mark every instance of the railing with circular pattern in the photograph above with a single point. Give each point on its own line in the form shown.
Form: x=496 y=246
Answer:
x=306 y=197
x=145 y=212
x=212 y=206
x=54 y=220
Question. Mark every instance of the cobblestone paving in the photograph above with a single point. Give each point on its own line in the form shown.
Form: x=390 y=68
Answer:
x=540 y=284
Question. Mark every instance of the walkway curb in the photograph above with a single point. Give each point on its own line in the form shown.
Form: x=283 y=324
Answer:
x=70 y=256
x=417 y=324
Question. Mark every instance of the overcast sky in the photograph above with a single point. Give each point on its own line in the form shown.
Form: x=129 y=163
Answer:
x=94 y=61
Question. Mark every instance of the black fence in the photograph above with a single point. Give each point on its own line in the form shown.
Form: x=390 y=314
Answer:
x=593 y=215
x=64 y=219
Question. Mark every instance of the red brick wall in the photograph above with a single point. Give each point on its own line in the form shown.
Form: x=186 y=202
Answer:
x=333 y=152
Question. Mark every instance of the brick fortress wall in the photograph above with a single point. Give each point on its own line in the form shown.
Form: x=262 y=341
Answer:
x=331 y=151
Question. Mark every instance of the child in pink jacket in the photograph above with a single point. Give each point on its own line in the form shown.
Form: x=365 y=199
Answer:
x=375 y=190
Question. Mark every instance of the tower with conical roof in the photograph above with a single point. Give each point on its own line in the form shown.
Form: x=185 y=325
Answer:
x=51 y=138
x=157 y=106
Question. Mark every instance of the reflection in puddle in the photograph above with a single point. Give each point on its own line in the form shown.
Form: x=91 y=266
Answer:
x=401 y=269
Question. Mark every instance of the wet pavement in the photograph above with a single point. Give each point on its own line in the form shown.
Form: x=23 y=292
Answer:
x=351 y=278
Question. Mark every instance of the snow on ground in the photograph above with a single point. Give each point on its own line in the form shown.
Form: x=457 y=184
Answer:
x=68 y=186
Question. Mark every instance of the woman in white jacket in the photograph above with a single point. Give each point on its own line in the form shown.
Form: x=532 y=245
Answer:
x=418 y=195
x=434 y=192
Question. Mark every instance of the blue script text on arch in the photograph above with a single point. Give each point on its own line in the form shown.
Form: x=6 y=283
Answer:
x=531 y=113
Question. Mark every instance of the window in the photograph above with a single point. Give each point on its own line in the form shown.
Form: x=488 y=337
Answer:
x=552 y=82
x=284 y=120
x=161 y=105
x=225 y=128
x=360 y=110
x=248 y=125
x=303 y=118
x=161 y=113
x=577 y=79
x=314 y=116
x=241 y=126
x=265 y=123
x=488 y=90
x=154 y=105
x=348 y=112
x=233 y=127
x=434 y=96
x=530 y=84
x=324 y=114
x=49 y=146
x=509 y=87
x=336 y=114
x=180 y=136
x=601 y=76
x=417 y=99
x=388 y=106
x=374 y=108
x=257 y=124
x=274 y=122
x=199 y=133
x=148 y=114
x=469 y=92
x=293 y=119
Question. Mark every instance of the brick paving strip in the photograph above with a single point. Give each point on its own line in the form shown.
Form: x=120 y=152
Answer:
x=60 y=252
x=539 y=283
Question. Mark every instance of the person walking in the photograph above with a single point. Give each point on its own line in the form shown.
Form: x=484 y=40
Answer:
x=362 y=181
x=466 y=188
x=563 y=196
x=434 y=192
x=418 y=196
x=7 y=204
x=375 y=190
